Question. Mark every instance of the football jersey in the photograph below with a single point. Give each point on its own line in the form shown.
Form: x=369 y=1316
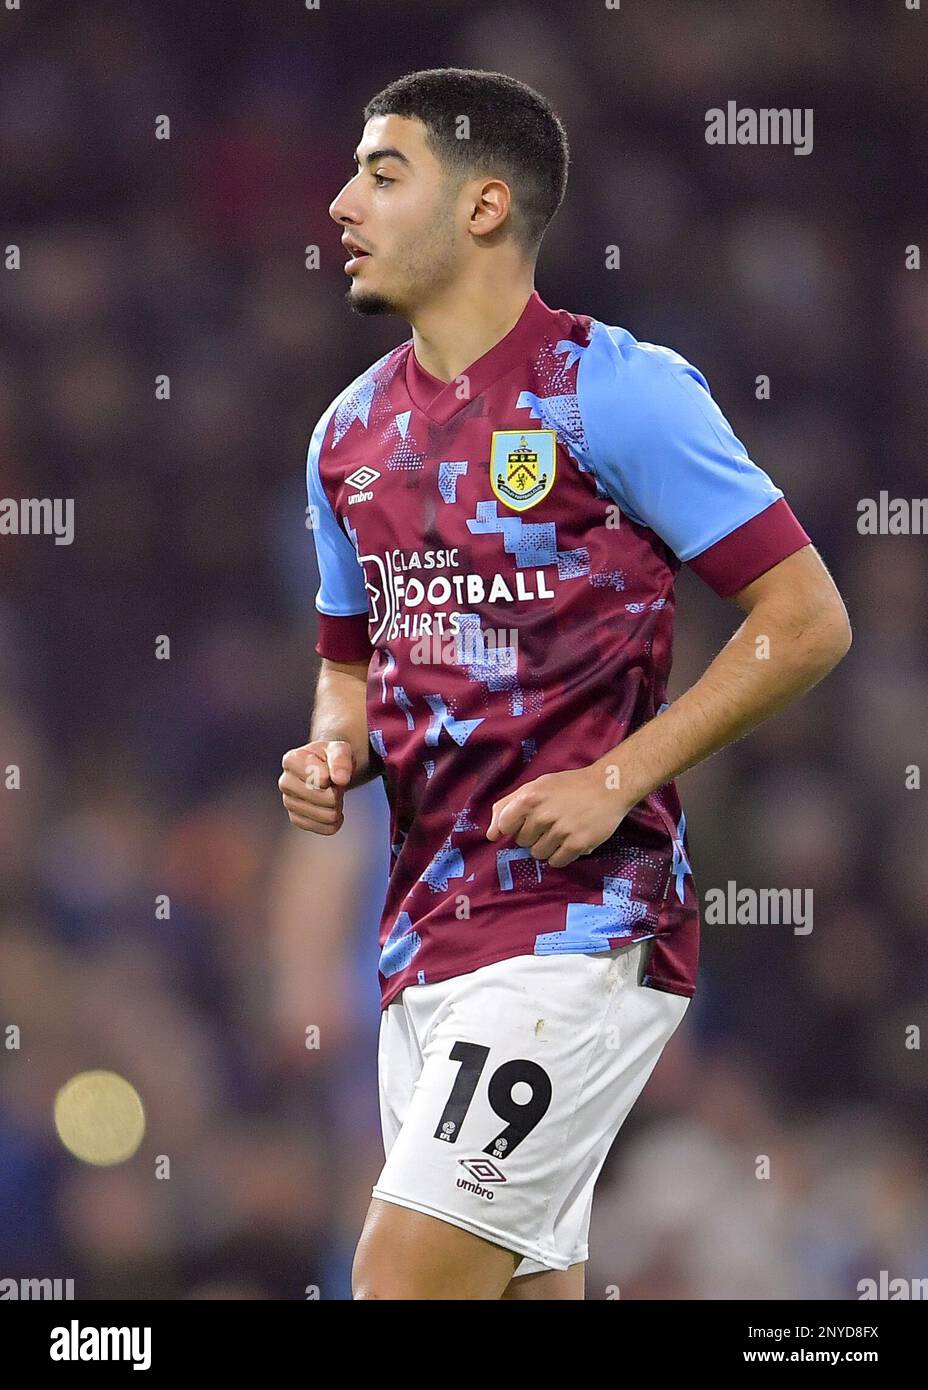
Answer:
x=502 y=550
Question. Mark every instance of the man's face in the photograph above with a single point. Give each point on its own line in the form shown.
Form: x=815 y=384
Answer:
x=400 y=209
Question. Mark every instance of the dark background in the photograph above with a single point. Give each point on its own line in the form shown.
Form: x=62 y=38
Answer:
x=143 y=777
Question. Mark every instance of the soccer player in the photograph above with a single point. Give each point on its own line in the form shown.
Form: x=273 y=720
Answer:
x=500 y=506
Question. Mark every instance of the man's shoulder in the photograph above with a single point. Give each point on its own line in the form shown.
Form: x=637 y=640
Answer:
x=615 y=353
x=631 y=393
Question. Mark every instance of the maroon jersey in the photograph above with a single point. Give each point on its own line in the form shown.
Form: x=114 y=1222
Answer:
x=503 y=549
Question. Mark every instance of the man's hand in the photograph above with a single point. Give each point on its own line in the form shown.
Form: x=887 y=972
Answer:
x=796 y=630
x=561 y=815
x=313 y=784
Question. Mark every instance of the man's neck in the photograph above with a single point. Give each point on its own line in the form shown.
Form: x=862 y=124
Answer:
x=463 y=324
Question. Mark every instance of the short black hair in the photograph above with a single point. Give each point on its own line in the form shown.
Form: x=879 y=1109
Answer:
x=513 y=133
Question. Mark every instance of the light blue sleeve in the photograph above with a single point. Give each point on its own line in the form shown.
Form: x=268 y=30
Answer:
x=659 y=445
x=341 y=588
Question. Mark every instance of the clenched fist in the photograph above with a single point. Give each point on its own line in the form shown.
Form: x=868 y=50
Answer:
x=313 y=784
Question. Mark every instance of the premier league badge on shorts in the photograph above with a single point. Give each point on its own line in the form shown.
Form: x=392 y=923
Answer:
x=522 y=465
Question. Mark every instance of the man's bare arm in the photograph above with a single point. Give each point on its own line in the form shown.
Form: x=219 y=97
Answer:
x=796 y=631
x=340 y=714
x=338 y=756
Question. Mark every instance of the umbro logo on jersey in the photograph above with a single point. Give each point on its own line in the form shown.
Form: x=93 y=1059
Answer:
x=482 y=1171
x=362 y=478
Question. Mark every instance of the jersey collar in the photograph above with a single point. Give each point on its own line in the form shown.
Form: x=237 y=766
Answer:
x=439 y=400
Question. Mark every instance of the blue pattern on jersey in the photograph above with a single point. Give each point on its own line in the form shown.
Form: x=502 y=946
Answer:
x=533 y=543
x=563 y=414
x=567 y=347
x=573 y=564
x=681 y=865
x=459 y=729
x=606 y=577
x=559 y=413
x=498 y=666
x=654 y=607
x=376 y=738
x=504 y=859
x=356 y=405
x=448 y=863
x=405 y=704
x=589 y=926
x=404 y=457
x=400 y=946
x=448 y=474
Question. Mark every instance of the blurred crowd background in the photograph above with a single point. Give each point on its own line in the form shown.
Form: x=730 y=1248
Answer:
x=143 y=777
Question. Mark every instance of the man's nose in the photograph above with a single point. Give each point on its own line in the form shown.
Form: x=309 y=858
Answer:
x=342 y=207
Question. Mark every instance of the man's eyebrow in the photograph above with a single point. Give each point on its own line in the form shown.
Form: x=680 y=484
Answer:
x=386 y=152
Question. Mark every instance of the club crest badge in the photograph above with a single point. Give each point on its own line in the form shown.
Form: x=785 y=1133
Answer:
x=522 y=466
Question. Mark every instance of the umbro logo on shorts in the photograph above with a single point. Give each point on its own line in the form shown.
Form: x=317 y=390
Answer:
x=483 y=1171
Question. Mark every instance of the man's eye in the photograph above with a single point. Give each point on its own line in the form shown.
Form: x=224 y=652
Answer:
x=384 y=178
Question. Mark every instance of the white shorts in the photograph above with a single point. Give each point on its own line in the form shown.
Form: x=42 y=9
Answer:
x=502 y=1090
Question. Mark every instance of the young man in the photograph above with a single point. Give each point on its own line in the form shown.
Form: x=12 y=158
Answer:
x=500 y=506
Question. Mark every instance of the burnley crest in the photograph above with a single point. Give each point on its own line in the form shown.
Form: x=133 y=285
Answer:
x=522 y=465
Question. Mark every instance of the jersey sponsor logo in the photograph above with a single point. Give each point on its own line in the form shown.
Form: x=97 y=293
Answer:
x=400 y=604
x=362 y=478
x=382 y=594
x=522 y=466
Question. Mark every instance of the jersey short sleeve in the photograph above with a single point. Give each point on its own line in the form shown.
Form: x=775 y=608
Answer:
x=661 y=448
x=341 y=600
